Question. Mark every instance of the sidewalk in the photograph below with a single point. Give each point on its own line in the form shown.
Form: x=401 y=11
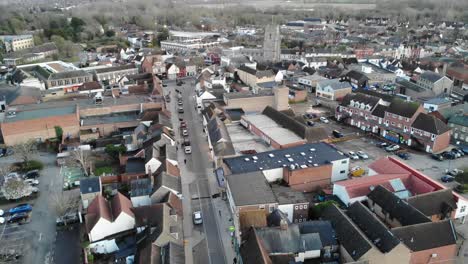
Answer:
x=224 y=219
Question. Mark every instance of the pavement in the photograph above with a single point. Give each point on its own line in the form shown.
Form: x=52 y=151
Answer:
x=40 y=232
x=209 y=242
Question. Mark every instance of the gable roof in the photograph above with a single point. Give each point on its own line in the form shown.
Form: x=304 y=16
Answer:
x=431 y=76
x=434 y=203
x=379 y=110
x=90 y=185
x=426 y=236
x=402 y=108
x=357 y=75
x=430 y=123
x=361 y=98
x=375 y=230
x=334 y=84
x=396 y=207
x=109 y=210
x=347 y=233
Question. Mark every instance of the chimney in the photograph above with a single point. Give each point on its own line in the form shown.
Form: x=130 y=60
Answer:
x=283 y=224
x=444 y=69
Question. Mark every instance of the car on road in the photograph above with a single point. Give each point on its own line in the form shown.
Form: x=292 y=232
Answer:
x=337 y=134
x=20 y=208
x=32 y=182
x=353 y=155
x=18 y=217
x=188 y=150
x=33 y=174
x=1 y=212
x=392 y=148
x=2 y=220
x=455 y=172
x=310 y=123
x=403 y=155
x=180 y=102
x=324 y=120
x=437 y=157
x=447 y=178
x=197 y=218
x=362 y=154
x=67 y=219
x=181 y=110
x=183 y=124
x=184 y=132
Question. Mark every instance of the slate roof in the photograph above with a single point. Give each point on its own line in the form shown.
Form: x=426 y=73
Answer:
x=290 y=240
x=250 y=188
x=347 y=233
x=402 y=108
x=140 y=187
x=431 y=76
x=427 y=235
x=306 y=154
x=168 y=181
x=461 y=120
x=361 y=98
x=323 y=228
x=396 y=207
x=334 y=84
x=434 y=203
x=355 y=75
x=149 y=215
x=68 y=74
x=135 y=165
x=90 y=185
x=252 y=250
x=380 y=110
x=375 y=230
x=430 y=123
x=116 y=68
x=385 y=97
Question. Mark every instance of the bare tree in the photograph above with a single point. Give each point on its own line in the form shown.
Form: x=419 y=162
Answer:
x=14 y=189
x=64 y=202
x=83 y=157
x=25 y=151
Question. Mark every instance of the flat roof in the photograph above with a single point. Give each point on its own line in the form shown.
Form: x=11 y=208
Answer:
x=250 y=188
x=272 y=129
x=40 y=113
x=110 y=118
x=310 y=155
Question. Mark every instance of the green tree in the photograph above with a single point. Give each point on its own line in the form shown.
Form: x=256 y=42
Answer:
x=58 y=133
x=110 y=33
x=114 y=151
x=162 y=34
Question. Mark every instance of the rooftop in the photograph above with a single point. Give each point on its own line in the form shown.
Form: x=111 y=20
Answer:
x=427 y=236
x=250 y=188
x=334 y=84
x=40 y=113
x=307 y=155
x=110 y=118
x=273 y=130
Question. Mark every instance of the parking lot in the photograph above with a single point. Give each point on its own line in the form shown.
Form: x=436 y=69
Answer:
x=13 y=242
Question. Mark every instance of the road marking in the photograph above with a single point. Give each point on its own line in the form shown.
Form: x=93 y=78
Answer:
x=40 y=236
x=3 y=231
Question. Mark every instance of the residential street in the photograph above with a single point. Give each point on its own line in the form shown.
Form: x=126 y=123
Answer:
x=204 y=243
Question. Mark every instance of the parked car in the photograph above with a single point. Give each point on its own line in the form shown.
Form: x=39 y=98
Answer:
x=437 y=157
x=33 y=174
x=20 y=208
x=2 y=220
x=465 y=150
x=382 y=144
x=324 y=120
x=188 y=150
x=353 y=155
x=1 y=212
x=362 y=155
x=392 y=148
x=68 y=219
x=197 y=218
x=32 y=182
x=309 y=115
x=184 y=132
x=310 y=123
x=337 y=134
x=181 y=110
x=454 y=172
x=449 y=155
x=180 y=102
x=186 y=141
x=459 y=151
x=404 y=155
x=183 y=124
x=447 y=178
x=357 y=171
x=18 y=217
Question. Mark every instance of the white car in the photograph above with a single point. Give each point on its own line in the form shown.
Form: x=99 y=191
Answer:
x=188 y=150
x=324 y=120
x=185 y=132
x=197 y=218
x=362 y=155
x=32 y=182
x=2 y=220
x=1 y=212
x=12 y=175
x=353 y=155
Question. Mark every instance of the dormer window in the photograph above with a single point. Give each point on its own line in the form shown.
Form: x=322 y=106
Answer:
x=351 y=103
x=363 y=105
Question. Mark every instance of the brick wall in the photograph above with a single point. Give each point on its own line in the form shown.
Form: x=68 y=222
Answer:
x=308 y=179
x=172 y=169
x=251 y=104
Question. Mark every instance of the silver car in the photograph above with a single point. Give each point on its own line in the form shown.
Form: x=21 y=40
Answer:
x=197 y=218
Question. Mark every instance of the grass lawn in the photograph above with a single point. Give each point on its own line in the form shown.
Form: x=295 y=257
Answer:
x=104 y=169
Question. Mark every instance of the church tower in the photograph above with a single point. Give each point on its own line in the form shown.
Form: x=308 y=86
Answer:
x=272 y=43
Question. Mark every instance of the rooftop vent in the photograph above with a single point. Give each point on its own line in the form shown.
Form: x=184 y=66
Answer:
x=312 y=149
x=246 y=159
x=303 y=166
x=261 y=168
x=291 y=159
x=254 y=161
x=271 y=155
x=279 y=161
x=287 y=155
x=302 y=153
x=255 y=158
x=315 y=165
x=292 y=167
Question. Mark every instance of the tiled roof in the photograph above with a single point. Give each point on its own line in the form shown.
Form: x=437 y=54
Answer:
x=430 y=123
x=362 y=186
x=100 y=208
x=361 y=98
x=402 y=108
x=434 y=203
x=426 y=236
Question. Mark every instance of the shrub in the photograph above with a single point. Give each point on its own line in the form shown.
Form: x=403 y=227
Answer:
x=32 y=165
x=114 y=151
x=101 y=170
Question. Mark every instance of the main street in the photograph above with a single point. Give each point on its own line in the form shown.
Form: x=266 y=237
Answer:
x=203 y=243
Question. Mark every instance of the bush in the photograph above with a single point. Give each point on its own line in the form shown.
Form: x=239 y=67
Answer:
x=114 y=151
x=31 y=165
x=316 y=211
x=101 y=170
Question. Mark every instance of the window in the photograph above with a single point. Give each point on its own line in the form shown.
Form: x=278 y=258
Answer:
x=343 y=171
x=407 y=119
x=296 y=207
x=271 y=208
x=406 y=128
x=305 y=206
x=301 y=207
x=344 y=161
x=462 y=209
x=393 y=123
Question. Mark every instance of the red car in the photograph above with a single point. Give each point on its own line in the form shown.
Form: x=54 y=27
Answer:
x=183 y=124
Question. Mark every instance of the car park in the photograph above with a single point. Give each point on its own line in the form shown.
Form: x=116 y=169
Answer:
x=324 y=120
x=197 y=218
x=337 y=134
x=353 y=155
x=188 y=150
x=362 y=154
x=447 y=178
x=18 y=217
x=392 y=148
x=20 y=208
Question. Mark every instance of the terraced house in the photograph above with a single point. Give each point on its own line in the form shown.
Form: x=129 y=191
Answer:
x=397 y=121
